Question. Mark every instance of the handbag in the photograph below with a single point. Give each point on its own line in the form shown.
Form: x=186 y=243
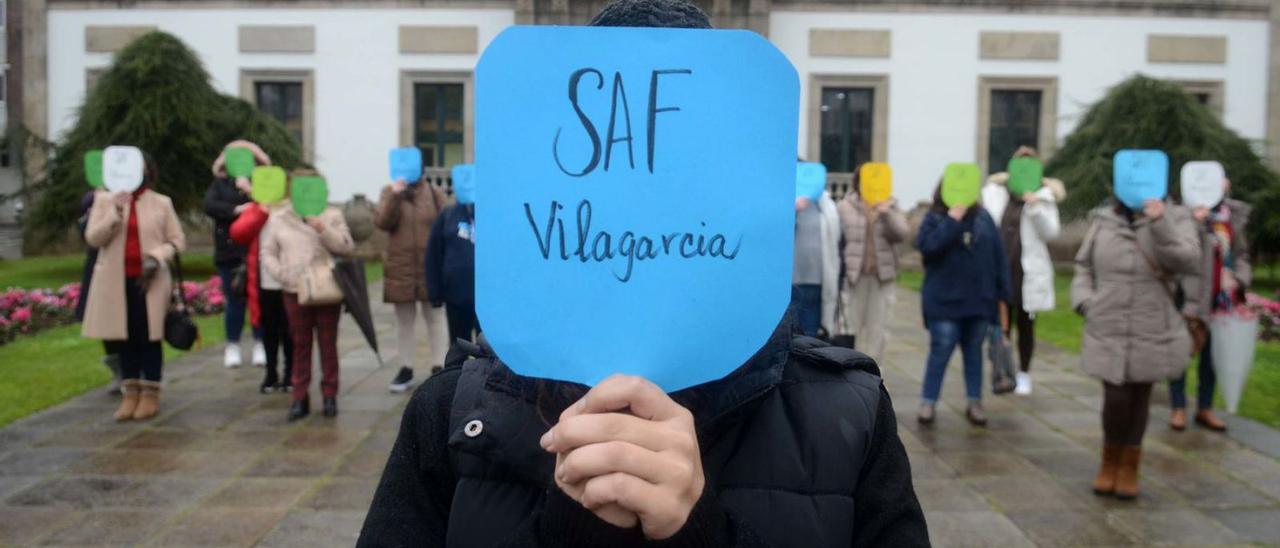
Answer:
x=1003 y=379
x=1195 y=327
x=318 y=287
x=180 y=330
x=846 y=340
x=240 y=280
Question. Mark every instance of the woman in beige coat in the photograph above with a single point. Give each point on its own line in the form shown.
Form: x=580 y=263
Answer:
x=136 y=235
x=1134 y=335
x=868 y=236
x=290 y=246
x=407 y=212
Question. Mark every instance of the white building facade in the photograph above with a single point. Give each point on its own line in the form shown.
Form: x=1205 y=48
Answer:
x=916 y=84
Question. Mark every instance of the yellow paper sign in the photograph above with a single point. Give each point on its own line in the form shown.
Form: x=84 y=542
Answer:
x=875 y=182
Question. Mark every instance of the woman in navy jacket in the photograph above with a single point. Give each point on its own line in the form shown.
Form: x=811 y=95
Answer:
x=965 y=276
x=451 y=268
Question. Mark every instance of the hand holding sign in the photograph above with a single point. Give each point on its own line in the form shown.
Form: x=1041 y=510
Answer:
x=406 y=164
x=464 y=183
x=1140 y=175
x=875 y=182
x=93 y=168
x=268 y=185
x=811 y=180
x=960 y=185
x=1026 y=174
x=310 y=195
x=123 y=168
x=240 y=162
x=649 y=203
x=1203 y=184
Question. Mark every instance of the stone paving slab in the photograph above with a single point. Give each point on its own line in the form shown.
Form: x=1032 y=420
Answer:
x=221 y=467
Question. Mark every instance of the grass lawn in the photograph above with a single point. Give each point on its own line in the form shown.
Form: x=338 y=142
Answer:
x=55 y=271
x=54 y=365
x=1063 y=328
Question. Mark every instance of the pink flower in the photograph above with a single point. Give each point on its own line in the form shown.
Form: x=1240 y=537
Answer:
x=21 y=314
x=216 y=300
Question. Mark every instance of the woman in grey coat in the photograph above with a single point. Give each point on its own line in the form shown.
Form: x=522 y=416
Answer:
x=1134 y=335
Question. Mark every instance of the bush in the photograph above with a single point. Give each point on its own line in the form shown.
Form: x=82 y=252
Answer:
x=155 y=96
x=24 y=312
x=1144 y=112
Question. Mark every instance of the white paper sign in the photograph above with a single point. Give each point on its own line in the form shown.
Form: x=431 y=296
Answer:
x=122 y=168
x=1202 y=184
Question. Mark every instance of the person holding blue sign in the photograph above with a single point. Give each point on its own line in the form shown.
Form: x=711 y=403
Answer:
x=450 y=261
x=965 y=279
x=224 y=200
x=1134 y=333
x=793 y=445
x=815 y=270
x=407 y=211
x=1024 y=205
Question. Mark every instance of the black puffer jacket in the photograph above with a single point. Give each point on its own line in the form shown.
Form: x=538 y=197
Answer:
x=220 y=202
x=799 y=446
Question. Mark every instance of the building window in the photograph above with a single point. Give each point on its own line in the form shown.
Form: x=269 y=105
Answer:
x=437 y=113
x=289 y=97
x=847 y=121
x=283 y=101
x=438 y=127
x=846 y=127
x=1015 y=112
x=1206 y=92
x=1014 y=123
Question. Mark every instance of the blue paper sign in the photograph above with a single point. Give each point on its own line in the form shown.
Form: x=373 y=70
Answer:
x=637 y=214
x=464 y=183
x=811 y=180
x=1141 y=175
x=406 y=164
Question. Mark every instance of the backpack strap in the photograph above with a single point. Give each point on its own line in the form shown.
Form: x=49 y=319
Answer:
x=830 y=357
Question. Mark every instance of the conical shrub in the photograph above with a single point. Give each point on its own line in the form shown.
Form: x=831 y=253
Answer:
x=156 y=96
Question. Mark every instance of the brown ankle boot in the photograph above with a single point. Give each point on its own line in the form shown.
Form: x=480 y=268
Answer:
x=1207 y=419
x=1105 y=482
x=1127 y=474
x=1178 y=419
x=149 y=402
x=129 y=396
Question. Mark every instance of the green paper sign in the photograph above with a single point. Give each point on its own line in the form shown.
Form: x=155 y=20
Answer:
x=1025 y=175
x=93 y=168
x=310 y=195
x=960 y=185
x=240 y=161
x=268 y=185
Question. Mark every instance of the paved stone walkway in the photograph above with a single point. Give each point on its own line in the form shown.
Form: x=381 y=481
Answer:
x=220 y=467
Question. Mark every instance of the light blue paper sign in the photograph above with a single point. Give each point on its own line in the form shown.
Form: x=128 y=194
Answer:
x=1140 y=175
x=811 y=180
x=406 y=164
x=464 y=183
x=637 y=214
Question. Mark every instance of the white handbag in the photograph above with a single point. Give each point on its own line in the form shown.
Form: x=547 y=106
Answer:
x=317 y=286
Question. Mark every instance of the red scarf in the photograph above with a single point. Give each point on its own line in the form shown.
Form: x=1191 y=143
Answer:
x=132 y=243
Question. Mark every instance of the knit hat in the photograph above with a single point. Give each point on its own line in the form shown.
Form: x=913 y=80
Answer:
x=652 y=13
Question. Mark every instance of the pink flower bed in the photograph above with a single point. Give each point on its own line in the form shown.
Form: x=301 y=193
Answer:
x=26 y=311
x=1268 y=312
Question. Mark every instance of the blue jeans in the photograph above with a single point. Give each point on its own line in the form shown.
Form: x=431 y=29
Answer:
x=944 y=335
x=808 y=303
x=1208 y=381
x=233 y=312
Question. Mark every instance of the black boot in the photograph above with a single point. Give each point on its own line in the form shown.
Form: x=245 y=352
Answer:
x=269 y=382
x=331 y=407
x=299 y=409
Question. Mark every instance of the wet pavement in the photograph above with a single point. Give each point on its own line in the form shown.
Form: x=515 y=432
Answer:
x=221 y=467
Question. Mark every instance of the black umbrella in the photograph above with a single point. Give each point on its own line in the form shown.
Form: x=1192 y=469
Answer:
x=349 y=273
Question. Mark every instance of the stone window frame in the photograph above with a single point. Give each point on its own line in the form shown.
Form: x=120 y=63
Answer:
x=1215 y=89
x=1047 y=141
x=879 y=84
x=251 y=76
x=409 y=77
